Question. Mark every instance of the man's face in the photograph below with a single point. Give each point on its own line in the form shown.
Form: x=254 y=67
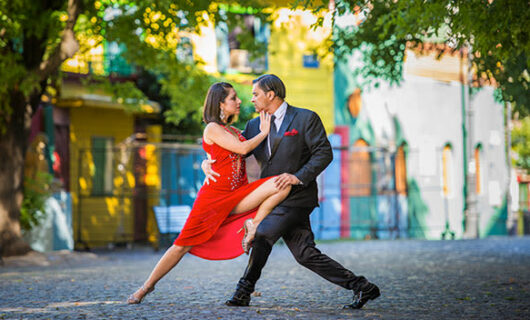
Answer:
x=260 y=100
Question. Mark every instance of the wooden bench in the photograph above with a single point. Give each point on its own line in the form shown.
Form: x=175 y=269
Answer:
x=170 y=221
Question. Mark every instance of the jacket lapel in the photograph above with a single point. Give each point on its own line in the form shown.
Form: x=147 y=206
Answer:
x=288 y=118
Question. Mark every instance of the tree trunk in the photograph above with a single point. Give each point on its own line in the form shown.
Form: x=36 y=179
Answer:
x=12 y=152
x=13 y=143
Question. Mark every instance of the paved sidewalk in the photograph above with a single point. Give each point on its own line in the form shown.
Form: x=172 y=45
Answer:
x=54 y=258
x=467 y=279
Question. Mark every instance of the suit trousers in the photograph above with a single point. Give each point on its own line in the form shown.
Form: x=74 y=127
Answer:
x=292 y=224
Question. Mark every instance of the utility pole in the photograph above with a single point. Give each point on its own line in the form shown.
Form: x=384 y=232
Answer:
x=512 y=217
x=471 y=214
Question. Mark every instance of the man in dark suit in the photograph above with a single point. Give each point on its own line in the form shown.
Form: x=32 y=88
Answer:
x=297 y=150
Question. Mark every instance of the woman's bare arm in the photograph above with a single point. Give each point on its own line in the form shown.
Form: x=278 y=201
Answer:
x=217 y=134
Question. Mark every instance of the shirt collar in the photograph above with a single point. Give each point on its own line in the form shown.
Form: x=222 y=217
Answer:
x=280 y=112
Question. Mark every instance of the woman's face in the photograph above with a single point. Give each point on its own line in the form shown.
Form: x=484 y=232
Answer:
x=231 y=104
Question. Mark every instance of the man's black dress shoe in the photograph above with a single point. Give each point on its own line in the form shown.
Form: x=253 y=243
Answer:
x=369 y=292
x=239 y=299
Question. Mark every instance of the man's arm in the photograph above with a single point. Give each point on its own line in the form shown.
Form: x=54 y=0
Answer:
x=321 y=156
x=320 y=149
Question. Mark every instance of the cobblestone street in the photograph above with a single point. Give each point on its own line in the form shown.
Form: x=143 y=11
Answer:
x=467 y=279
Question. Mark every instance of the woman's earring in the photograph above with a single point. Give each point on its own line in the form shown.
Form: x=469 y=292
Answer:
x=222 y=115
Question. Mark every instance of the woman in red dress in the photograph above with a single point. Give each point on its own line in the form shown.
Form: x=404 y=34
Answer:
x=228 y=204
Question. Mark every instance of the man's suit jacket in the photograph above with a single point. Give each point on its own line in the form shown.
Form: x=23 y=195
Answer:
x=302 y=149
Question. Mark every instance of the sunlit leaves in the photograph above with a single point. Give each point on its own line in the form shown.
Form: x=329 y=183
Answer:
x=496 y=31
x=521 y=143
x=153 y=41
x=150 y=31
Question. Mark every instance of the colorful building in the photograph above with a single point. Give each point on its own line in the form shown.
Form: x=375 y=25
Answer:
x=99 y=170
x=400 y=157
x=89 y=135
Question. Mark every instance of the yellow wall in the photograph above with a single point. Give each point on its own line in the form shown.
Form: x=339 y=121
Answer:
x=310 y=88
x=291 y=38
x=104 y=218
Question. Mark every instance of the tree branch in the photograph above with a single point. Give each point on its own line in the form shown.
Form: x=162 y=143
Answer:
x=68 y=46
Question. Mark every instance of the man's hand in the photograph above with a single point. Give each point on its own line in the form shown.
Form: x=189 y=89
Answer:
x=206 y=167
x=285 y=179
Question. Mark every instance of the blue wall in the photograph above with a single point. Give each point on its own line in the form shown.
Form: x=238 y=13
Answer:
x=182 y=176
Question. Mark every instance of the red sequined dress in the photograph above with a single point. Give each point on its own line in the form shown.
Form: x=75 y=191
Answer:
x=210 y=228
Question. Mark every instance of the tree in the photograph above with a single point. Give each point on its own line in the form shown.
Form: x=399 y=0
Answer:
x=521 y=144
x=190 y=126
x=37 y=36
x=495 y=31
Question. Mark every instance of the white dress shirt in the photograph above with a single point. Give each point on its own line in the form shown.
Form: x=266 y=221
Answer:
x=279 y=114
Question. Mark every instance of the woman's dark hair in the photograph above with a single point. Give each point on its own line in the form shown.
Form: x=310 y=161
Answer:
x=270 y=82
x=212 y=104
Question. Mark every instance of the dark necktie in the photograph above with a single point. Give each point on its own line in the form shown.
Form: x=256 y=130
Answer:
x=273 y=134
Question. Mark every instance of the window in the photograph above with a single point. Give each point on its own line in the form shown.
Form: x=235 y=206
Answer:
x=102 y=155
x=360 y=169
x=310 y=61
x=185 y=50
x=447 y=170
x=232 y=54
x=401 y=171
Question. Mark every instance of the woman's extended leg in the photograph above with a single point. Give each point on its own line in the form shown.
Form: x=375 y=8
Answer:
x=164 y=265
x=266 y=197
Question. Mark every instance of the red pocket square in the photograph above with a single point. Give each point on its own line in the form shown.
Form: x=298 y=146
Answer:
x=293 y=132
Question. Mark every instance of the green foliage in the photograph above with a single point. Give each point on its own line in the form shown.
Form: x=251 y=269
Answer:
x=36 y=191
x=124 y=92
x=184 y=82
x=190 y=124
x=496 y=31
x=186 y=86
x=9 y=72
x=521 y=144
x=187 y=126
x=32 y=31
x=22 y=24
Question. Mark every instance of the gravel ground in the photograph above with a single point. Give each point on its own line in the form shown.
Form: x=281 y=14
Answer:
x=463 y=279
